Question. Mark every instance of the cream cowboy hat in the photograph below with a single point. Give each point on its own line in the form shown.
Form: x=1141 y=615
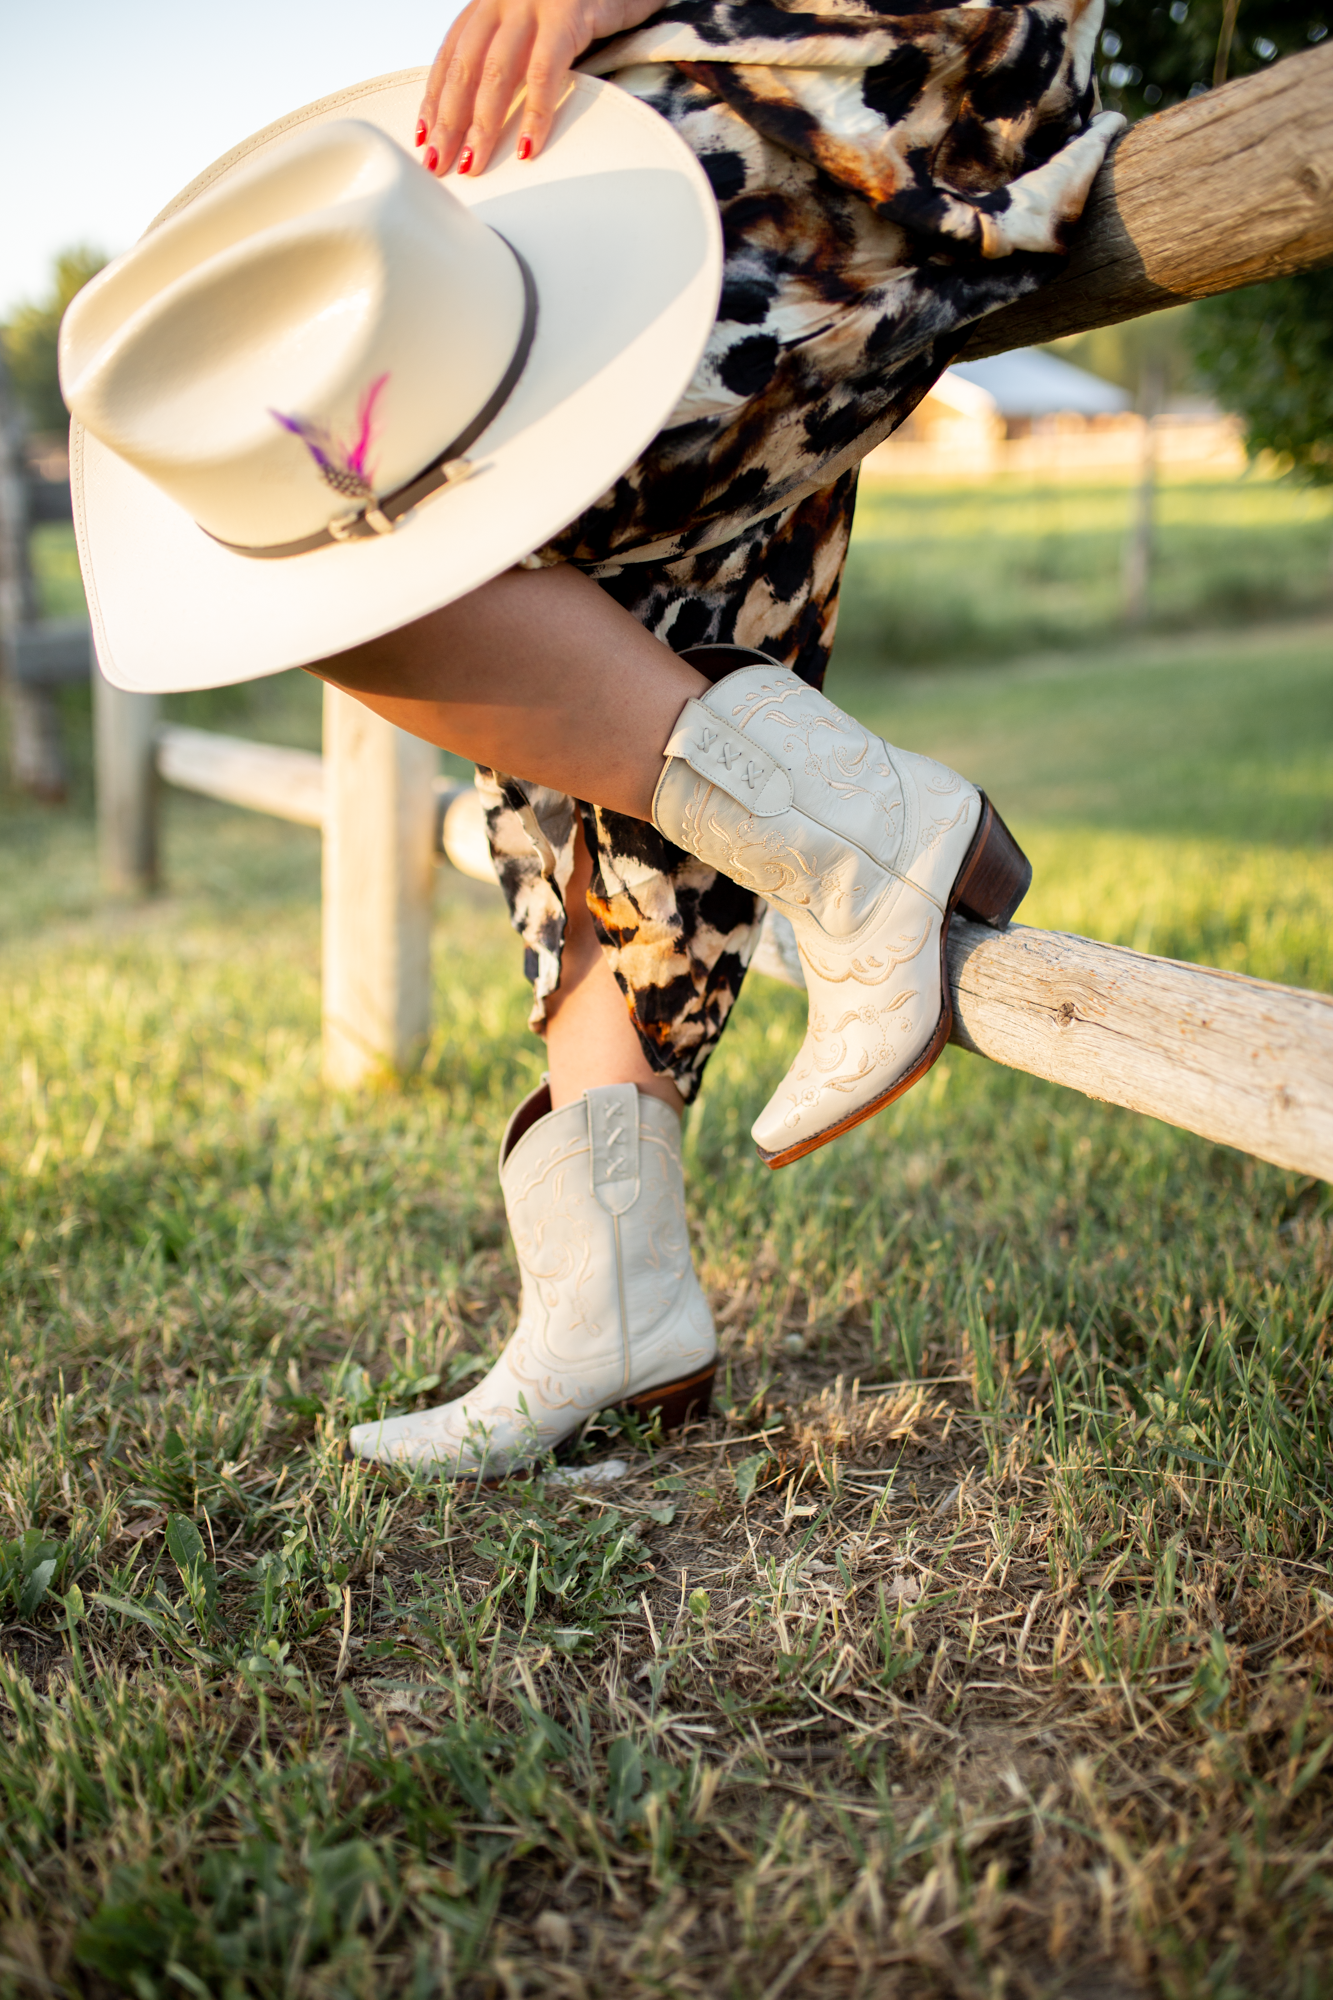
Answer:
x=327 y=393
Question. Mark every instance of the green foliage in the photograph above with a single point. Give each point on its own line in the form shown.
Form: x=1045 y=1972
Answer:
x=198 y=1575
x=1154 y=52
x=551 y=1561
x=29 y=340
x=1267 y=351
x=748 y=1474
x=28 y=1565
x=254 y=1908
x=896 y=1658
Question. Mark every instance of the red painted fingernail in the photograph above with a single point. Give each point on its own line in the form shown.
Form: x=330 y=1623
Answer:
x=465 y=160
x=421 y=131
x=525 y=148
x=430 y=159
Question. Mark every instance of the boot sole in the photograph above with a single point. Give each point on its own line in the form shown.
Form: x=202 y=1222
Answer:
x=677 y=1402
x=988 y=888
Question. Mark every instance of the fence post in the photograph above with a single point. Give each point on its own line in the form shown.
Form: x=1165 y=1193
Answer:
x=379 y=870
x=1136 y=567
x=125 y=778
x=36 y=758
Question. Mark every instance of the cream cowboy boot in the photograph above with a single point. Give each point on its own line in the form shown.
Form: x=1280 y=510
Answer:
x=867 y=849
x=611 y=1310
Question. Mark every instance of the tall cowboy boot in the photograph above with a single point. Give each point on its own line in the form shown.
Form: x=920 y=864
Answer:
x=866 y=848
x=611 y=1311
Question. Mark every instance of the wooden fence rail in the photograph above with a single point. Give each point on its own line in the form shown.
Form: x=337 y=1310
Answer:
x=289 y=784
x=1233 y=1059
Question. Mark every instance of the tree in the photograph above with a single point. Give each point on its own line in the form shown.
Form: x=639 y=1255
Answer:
x=30 y=340
x=1157 y=51
x=1266 y=351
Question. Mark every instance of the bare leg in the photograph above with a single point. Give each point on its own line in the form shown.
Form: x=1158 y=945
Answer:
x=540 y=674
x=590 y=1038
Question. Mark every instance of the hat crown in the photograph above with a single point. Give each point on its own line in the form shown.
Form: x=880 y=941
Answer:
x=319 y=326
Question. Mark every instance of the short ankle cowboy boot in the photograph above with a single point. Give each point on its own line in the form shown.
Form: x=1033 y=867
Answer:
x=868 y=849
x=611 y=1311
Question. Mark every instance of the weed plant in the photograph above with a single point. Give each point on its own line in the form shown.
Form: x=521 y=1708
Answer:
x=979 y=1644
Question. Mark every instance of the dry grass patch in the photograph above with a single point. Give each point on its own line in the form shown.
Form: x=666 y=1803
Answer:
x=812 y=1692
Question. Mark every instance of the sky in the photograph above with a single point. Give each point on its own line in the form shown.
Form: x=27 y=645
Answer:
x=107 y=110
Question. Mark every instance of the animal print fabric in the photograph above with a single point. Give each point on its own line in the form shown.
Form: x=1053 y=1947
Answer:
x=886 y=176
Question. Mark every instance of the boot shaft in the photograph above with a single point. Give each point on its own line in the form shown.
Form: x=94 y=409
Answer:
x=595 y=1197
x=772 y=783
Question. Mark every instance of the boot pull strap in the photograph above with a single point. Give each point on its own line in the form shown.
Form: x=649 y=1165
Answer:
x=613 y=1128
x=729 y=760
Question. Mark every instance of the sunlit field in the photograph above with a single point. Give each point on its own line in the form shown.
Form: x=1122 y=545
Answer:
x=1044 y=564
x=979 y=1644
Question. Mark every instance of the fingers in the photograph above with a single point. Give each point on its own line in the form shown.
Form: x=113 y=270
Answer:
x=493 y=48
x=427 y=135
x=451 y=88
x=500 y=76
x=553 y=54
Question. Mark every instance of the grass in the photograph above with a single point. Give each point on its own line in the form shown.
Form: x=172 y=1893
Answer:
x=980 y=1645
x=1043 y=565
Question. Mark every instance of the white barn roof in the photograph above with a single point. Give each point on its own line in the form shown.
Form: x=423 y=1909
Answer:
x=1030 y=383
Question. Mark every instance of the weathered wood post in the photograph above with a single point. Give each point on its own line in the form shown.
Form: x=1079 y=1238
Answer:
x=1138 y=556
x=124 y=746
x=37 y=763
x=379 y=868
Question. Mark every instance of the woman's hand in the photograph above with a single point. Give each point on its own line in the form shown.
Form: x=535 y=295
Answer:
x=493 y=48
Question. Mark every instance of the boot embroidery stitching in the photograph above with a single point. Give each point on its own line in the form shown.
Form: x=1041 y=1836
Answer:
x=615 y=1142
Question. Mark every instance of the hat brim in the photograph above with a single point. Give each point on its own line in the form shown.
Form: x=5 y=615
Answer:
x=620 y=228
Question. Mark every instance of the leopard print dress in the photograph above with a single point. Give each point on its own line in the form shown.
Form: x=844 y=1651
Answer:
x=886 y=176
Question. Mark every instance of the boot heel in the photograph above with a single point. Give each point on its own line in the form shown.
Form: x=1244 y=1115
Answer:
x=678 y=1402
x=996 y=875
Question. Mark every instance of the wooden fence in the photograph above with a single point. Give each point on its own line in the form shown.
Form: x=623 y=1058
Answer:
x=1234 y=1059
